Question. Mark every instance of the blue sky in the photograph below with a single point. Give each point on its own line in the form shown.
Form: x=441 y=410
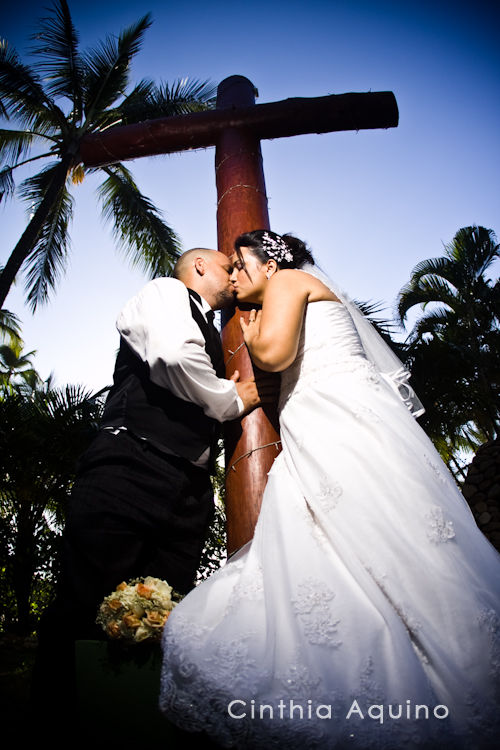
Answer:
x=370 y=204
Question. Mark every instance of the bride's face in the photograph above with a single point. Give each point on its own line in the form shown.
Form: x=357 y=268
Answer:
x=249 y=276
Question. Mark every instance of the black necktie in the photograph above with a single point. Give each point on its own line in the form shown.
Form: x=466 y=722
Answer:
x=210 y=332
x=215 y=340
x=214 y=333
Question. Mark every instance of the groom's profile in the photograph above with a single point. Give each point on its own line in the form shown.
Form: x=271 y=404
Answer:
x=142 y=500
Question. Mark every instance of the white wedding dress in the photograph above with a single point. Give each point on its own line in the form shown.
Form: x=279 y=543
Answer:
x=365 y=611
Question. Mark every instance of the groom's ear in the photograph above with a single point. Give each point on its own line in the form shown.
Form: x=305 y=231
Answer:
x=200 y=265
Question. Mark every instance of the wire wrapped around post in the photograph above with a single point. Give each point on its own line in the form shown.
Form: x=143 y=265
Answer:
x=242 y=207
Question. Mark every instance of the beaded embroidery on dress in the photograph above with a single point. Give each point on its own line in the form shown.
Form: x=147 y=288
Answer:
x=365 y=611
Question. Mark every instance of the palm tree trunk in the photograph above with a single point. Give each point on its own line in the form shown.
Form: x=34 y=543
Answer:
x=33 y=230
x=458 y=469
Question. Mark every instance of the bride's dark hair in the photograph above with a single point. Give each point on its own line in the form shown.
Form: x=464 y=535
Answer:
x=288 y=251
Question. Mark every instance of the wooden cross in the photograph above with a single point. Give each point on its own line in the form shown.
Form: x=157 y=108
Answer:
x=235 y=128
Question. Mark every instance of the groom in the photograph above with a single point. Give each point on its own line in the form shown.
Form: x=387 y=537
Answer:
x=142 y=501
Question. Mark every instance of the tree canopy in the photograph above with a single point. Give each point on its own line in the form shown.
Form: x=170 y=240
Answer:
x=51 y=106
x=454 y=347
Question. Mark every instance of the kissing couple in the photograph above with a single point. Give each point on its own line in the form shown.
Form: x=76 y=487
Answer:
x=367 y=578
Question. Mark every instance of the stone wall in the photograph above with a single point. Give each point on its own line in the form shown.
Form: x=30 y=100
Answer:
x=481 y=489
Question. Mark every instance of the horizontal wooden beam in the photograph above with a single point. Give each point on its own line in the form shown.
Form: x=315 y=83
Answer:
x=285 y=118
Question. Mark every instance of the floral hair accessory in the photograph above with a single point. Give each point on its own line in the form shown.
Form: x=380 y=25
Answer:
x=276 y=248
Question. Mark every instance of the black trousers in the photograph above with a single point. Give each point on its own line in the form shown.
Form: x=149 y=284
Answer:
x=134 y=511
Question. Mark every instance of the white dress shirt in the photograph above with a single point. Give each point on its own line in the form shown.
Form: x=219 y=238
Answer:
x=159 y=327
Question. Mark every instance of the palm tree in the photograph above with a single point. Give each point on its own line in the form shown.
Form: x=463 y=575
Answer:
x=16 y=367
x=454 y=348
x=54 y=104
x=9 y=327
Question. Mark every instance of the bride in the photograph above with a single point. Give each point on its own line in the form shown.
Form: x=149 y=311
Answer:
x=365 y=611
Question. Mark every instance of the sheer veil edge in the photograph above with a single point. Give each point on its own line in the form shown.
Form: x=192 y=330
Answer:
x=377 y=351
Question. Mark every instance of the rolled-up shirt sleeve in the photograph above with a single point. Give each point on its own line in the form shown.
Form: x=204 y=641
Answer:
x=158 y=326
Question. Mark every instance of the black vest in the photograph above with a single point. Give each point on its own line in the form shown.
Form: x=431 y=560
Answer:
x=152 y=412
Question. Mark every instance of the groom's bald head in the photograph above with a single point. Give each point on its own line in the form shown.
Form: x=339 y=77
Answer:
x=208 y=273
x=184 y=265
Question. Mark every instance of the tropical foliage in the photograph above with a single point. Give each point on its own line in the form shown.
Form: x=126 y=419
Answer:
x=42 y=433
x=9 y=327
x=55 y=103
x=15 y=366
x=454 y=347
x=214 y=551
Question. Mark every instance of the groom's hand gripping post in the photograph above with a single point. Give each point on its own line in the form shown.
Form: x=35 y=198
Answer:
x=247 y=391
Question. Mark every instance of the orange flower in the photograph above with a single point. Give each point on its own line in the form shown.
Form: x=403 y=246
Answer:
x=113 y=629
x=131 y=621
x=121 y=586
x=114 y=604
x=144 y=591
x=156 y=619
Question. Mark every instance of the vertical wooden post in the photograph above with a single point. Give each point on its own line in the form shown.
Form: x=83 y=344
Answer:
x=242 y=207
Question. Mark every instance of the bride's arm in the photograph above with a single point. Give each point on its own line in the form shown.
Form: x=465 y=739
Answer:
x=272 y=334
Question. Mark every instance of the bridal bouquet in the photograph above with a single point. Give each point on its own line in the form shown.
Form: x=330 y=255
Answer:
x=137 y=610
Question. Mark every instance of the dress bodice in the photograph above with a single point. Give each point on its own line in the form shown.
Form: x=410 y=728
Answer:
x=329 y=343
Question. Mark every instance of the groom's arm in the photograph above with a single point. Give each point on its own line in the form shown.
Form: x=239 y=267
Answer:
x=158 y=326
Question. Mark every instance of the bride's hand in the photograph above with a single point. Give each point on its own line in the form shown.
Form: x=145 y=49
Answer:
x=251 y=329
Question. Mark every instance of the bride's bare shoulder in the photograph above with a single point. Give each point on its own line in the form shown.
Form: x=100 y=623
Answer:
x=302 y=281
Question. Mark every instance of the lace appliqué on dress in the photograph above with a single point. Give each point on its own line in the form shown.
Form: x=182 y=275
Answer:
x=439 y=530
x=297 y=681
x=312 y=607
x=248 y=588
x=435 y=469
x=329 y=494
x=364 y=414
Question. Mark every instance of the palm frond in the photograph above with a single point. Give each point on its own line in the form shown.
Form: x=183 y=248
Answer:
x=135 y=102
x=29 y=379
x=422 y=291
x=57 y=44
x=189 y=90
x=385 y=326
x=443 y=268
x=436 y=289
x=181 y=98
x=14 y=144
x=47 y=259
x=69 y=402
x=10 y=326
x=12 y=356
x=107 y=68
x=432 y=266
x=7 y=185
x=473 y=248
x=22 y=94
x=432 y=323
x=137 y=223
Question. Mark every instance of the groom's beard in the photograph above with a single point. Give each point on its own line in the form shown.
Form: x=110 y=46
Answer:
x=224 y=298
